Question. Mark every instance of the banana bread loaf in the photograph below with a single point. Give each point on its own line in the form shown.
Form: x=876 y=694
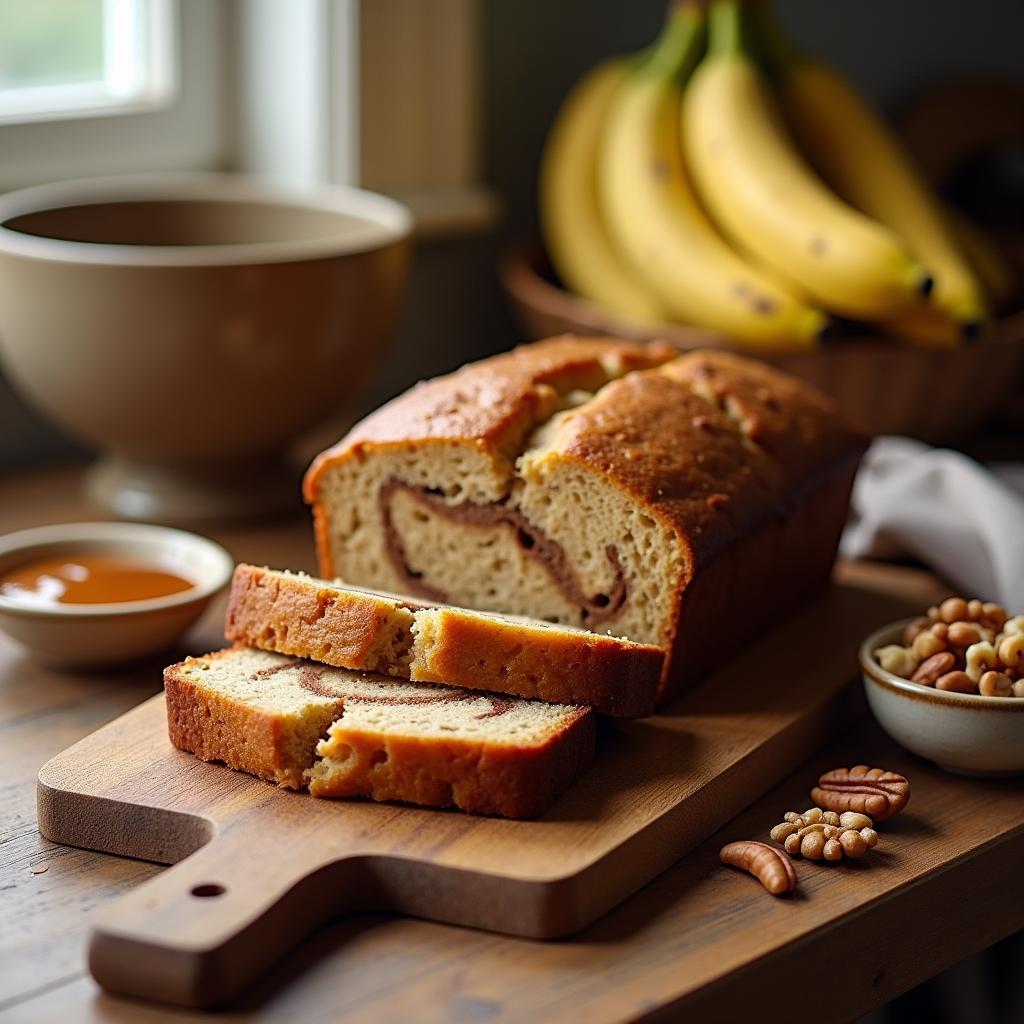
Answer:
x=360 y=629
x=687 y=502
x=352 y=734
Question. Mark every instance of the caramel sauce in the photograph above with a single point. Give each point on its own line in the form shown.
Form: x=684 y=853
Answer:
x=88 y=579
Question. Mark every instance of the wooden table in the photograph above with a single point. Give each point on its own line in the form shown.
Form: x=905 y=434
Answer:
x=701 y=940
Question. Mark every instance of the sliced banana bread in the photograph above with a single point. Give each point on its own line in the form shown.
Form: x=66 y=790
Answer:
x=360 y=629
x=351 y=734
x=685 y=502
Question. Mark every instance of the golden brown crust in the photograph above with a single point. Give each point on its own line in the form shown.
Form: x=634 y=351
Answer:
x=336 y=625
x=477 y=777
x=794 y=423
x=311 y=618
x=493 y=403
x=687 y=465
x=613 y=676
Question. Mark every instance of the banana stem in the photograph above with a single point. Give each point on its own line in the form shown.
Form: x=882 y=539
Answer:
x=780 y=53
x=675 y=52
x=727 y=28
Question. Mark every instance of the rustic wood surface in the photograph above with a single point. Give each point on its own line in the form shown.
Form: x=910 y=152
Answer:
x=284 y=861
x=700 y=939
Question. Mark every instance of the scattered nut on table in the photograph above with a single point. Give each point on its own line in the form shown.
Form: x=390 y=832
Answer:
x=771 y=867
x=822 y=835
x=956 y=645
x=878 y=793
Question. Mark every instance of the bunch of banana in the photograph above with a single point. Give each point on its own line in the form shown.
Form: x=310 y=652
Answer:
x=859 y=156
x=722 y=179
x=656 y=221
x=576 y=240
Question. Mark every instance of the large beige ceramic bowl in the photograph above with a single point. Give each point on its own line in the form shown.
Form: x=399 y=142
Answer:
x=190 y=326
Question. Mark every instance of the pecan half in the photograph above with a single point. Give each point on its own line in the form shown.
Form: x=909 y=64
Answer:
x=931 y=668
x=771 y=867
x=871 y=791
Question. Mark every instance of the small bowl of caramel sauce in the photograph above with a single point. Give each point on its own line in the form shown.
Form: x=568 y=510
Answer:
x=83 y=595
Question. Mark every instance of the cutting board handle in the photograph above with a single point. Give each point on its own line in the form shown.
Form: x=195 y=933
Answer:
x=200 y=933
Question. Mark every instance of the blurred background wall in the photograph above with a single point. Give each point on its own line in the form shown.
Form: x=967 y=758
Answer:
x=528 y=53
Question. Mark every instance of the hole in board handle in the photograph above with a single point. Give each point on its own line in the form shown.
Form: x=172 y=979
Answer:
x=208 y=889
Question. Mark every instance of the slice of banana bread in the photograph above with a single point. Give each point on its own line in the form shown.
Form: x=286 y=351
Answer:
x=351 y=734
x=686 y=502
x=360 y=629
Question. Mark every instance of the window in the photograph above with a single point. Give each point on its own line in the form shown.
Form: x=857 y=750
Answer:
x=380 y=93
x=93 y=87
x=66 y=58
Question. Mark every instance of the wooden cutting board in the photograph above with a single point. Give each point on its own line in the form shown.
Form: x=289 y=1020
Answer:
x=256 y=867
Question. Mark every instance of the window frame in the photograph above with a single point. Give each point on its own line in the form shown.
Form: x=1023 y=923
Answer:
x=131 y=29
x=305 y=91
x=376 y=78
x=180 y=128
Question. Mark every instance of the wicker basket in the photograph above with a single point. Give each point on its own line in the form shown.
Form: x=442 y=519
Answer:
x=888 y=387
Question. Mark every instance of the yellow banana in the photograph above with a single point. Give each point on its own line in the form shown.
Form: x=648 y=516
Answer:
x=764 y=196
x=861 y=158
x=984 y=256
x=656 y=221
x=576 y=239
x=931 y=327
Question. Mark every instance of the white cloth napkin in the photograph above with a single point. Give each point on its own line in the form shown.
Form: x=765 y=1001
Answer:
x=946 y=510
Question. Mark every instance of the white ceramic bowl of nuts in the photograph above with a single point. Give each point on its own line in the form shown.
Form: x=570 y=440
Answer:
x=949 y=686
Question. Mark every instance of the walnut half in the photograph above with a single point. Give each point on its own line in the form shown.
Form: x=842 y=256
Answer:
x=825 y=835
